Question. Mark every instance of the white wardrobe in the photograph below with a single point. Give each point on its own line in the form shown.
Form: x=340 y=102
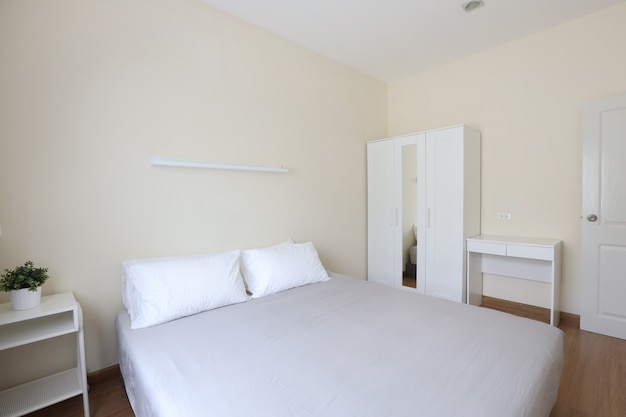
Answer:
x=423 y=198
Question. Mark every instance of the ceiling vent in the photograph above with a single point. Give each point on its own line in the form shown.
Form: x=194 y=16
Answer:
x=472 y=5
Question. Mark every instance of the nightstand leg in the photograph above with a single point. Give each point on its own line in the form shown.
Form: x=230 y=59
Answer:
x=80 y=346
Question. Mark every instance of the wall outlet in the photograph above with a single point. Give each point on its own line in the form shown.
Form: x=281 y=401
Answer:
x=504 y=216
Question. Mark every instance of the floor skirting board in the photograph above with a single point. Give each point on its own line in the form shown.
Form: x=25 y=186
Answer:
x=528 y=311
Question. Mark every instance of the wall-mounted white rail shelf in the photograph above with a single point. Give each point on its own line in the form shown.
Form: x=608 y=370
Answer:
x=187 y=163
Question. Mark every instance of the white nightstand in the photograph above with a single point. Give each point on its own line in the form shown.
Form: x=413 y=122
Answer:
x=57 y=315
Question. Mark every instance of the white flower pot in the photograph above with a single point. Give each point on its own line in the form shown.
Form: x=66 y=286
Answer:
x=24 y=299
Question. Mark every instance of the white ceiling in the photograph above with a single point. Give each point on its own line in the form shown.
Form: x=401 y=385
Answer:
x=391 y=39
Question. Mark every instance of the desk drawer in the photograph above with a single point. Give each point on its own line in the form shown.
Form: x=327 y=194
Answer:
x=531 y=252
x=491 y=248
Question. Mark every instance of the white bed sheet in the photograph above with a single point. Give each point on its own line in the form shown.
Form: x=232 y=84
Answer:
x=343 y=347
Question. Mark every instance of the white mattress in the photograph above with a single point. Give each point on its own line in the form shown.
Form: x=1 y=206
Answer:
x=343 y=347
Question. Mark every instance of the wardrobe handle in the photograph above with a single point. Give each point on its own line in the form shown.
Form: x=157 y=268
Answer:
x=396 y=216
x=428 y=217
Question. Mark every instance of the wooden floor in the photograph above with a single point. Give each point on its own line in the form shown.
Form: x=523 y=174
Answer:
x=593 y=383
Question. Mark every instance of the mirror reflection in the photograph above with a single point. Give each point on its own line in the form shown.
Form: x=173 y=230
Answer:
x=409 y=215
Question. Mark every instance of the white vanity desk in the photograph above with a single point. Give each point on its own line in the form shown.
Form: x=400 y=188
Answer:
x=518 y=257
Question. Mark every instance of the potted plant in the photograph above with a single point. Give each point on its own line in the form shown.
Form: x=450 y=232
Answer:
x=24 y=285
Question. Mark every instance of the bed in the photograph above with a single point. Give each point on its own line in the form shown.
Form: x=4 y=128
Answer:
x=340 y=347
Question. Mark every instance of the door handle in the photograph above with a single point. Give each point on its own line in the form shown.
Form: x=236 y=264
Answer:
x=592 y=217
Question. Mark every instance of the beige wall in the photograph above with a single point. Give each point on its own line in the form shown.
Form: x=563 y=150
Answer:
x=90 y=90
x=526 y=97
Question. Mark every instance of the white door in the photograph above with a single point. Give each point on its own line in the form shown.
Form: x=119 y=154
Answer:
x=603 y=283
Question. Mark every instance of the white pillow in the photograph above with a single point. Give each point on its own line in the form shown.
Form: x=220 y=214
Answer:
x=276 y=268
x=158 y=290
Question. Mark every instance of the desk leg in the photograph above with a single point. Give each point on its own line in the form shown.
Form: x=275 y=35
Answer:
x=474 y=279
x=555 y=315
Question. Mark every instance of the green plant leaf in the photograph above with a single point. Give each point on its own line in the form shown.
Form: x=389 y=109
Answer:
x=25 y=276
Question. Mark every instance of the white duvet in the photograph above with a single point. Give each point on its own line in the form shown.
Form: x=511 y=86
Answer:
x=343 y=347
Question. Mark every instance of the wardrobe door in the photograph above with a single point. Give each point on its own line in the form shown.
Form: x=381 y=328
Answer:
x=380 y=212
x=444 y=199
x=452 y=200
